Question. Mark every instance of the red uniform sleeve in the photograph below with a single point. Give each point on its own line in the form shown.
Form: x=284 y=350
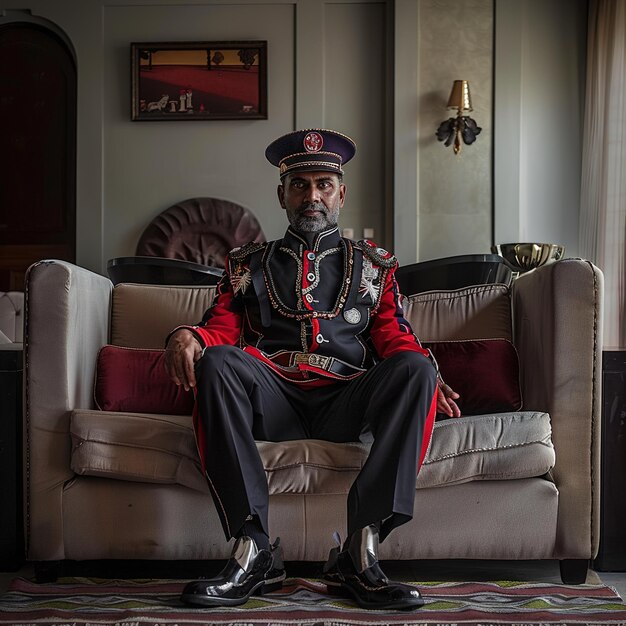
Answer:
x=221 y=324
x=390 y=331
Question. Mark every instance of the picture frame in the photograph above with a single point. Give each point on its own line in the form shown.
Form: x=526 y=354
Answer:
x=209 y=80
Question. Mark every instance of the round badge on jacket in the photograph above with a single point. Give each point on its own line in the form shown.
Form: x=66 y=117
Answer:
x=352 y=316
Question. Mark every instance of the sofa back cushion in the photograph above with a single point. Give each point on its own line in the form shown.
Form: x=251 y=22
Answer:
x=135 y=380
x=143 y=315
x=485 y=372
x=479 y=312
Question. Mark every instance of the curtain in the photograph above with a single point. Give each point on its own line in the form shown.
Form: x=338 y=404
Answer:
x=603 y=187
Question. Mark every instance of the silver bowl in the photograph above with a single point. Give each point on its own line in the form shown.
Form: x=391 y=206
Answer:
x=527 y=256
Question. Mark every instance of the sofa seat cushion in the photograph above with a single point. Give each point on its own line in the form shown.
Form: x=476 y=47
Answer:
x=162 y=449
x=135 y=446
x=500 y=446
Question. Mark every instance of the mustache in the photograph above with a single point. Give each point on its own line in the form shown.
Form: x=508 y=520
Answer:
x=316 y=206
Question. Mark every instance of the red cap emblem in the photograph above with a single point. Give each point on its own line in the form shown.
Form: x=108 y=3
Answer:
x=313 y=142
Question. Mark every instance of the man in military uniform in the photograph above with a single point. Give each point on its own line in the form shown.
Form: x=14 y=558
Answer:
x=306 y=339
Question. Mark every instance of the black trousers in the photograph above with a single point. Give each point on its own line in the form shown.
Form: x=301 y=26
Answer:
x=240 y=400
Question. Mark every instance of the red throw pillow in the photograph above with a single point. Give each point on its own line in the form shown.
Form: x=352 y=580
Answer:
x=484 y=372
x=135 y=380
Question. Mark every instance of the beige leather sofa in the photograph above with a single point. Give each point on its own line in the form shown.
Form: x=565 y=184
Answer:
x=516 y=485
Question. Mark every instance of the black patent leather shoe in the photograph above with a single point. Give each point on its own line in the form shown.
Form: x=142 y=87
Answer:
x=355 y=572
x=249 y=571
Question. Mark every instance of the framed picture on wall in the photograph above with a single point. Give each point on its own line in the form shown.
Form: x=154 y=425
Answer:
x=209 y=80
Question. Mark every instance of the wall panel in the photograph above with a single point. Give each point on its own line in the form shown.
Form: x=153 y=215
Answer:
x=149 y=166
x=540 y=81
x=455 y=42
x=354 y=103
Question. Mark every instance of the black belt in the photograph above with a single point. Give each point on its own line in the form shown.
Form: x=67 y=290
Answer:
x=327 y=363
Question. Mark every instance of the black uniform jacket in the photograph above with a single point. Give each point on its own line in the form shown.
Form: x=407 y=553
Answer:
x=313 y=315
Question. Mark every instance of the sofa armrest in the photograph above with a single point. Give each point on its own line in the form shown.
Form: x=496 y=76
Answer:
x=557 y=316
x=67 y=321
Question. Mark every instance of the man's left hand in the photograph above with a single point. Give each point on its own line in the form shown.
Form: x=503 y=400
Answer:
x=446 y=397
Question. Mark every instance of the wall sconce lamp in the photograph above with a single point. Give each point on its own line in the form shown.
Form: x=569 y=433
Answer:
x=461 y=127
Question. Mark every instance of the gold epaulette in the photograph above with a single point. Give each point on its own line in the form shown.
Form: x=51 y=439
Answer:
x=241 y=254
x=379 y=256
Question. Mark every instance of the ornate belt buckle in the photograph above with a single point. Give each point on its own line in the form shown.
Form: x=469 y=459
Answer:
x=316 y=360
x=299 y=357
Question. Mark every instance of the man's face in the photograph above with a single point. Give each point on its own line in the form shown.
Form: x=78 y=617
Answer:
x=312 y=200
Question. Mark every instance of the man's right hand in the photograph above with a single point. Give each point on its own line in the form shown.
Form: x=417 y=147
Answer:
x=446 y=400
x=181 y=353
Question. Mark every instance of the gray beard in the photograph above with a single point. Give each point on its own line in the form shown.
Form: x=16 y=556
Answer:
x=305 y=224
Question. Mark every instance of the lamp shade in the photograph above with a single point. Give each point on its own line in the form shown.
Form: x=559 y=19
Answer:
x=460 y=97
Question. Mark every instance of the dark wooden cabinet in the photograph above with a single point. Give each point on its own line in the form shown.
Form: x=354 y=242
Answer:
x=38 y=156
x=612 y=554
x=11 y=529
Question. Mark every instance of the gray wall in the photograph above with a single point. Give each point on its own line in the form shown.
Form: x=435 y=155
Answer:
x=378 y=70
x=340 y=68
x=540 y=78
x=149 y=166
x=455 y=190
x=327 y=66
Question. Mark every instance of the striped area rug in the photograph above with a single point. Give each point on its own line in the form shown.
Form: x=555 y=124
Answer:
x=88 y=601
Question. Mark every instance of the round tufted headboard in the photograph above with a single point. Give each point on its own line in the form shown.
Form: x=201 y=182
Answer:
x=201 y=230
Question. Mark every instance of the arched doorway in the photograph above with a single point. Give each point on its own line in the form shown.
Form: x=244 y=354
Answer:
x=38 y=150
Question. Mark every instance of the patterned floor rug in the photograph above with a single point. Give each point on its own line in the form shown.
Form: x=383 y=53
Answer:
x=88 y=601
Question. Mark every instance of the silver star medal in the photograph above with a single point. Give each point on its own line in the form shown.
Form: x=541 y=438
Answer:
x=241 y=282
x=367 y=286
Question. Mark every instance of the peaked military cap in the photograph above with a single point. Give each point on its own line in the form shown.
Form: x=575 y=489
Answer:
x=311 y=150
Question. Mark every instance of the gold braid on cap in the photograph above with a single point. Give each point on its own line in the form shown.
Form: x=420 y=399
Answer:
x=321 y=153
x=286 y=168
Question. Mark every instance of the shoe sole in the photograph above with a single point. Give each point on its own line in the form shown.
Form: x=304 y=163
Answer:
x=343 y=590
x=260 y=589
x=272 y=584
